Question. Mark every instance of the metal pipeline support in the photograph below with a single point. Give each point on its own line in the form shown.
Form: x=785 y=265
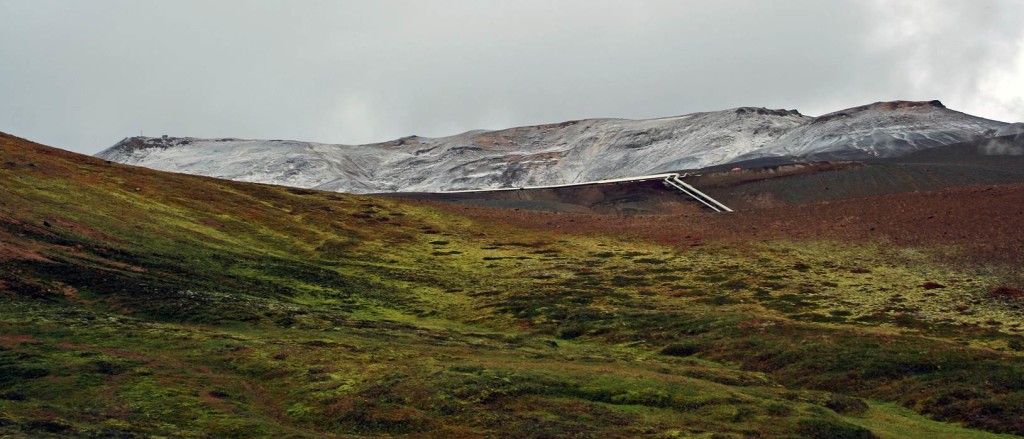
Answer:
x=721 y=207
x=668 y=181
x=705 y=199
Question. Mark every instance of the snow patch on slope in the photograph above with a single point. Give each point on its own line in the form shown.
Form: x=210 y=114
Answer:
x=568 y=152
x=882 y=129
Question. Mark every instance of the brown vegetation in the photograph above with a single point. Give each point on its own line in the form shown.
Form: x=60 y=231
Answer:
x=981 y=224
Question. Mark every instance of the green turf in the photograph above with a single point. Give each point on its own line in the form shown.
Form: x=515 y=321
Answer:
x=136 y=303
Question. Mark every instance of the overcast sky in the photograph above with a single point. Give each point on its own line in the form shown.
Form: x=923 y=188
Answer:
x=81 y=75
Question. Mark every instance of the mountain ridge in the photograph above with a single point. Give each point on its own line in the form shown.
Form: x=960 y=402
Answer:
x=566 y=152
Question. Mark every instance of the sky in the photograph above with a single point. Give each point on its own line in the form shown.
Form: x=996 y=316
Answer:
x=82 y=75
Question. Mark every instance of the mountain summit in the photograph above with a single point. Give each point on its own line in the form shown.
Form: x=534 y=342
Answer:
x=568 y=152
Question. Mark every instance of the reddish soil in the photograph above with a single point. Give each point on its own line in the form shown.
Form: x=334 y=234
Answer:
x=985 y=222
x=1012 y=293
x=80 y=229
x=8 y=341
x=10 y=252
x=210 y=222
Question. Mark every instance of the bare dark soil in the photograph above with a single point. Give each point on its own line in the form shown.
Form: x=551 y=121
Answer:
x=772 y=183
x=648 y=197
x=933 y=169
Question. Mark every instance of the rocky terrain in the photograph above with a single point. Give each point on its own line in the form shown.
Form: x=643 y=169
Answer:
x=569 y=152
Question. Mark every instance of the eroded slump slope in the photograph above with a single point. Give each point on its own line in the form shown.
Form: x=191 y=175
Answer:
x=138 y=302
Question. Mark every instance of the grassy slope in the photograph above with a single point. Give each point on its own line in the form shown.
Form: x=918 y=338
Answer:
x=146 y=303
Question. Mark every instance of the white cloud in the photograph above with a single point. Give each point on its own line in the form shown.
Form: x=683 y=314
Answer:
x=1002 y=90
x=969 y=54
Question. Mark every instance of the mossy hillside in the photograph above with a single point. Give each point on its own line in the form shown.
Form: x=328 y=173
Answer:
x=376 y=378
x=234 y=384
x=892 y=421
x=741 y=306
x=250 y=310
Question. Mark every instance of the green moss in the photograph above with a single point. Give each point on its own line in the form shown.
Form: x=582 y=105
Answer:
x=830 y=429
x=250 y=310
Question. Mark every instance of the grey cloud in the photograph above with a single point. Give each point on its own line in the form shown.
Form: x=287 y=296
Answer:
x=948 y=46
x=82 y=75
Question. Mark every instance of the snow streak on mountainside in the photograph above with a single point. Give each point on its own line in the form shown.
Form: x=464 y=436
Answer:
x=882 y=129
x=538 y=155
x=568 y=152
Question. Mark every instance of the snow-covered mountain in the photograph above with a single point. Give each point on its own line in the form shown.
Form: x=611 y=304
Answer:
x=882 y=129
x=567 y=152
